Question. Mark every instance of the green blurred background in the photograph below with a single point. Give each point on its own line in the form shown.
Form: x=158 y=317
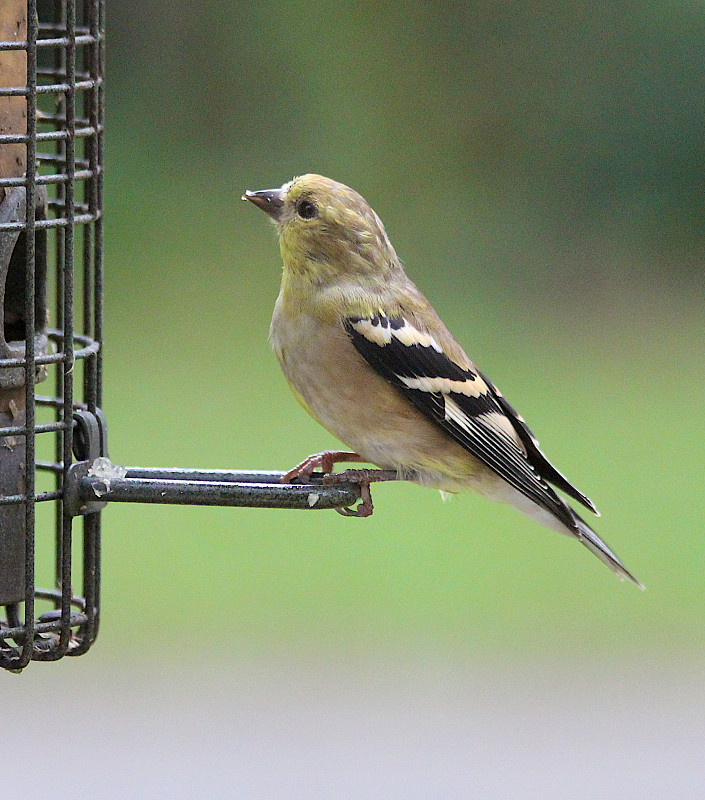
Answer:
x=540 y=169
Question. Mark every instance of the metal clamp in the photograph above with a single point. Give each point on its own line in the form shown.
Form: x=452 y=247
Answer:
x=90 y=441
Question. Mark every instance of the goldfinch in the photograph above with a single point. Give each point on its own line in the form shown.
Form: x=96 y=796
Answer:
x=368 y=357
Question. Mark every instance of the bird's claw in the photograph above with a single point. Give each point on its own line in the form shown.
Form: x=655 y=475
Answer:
x=363 y=477
x=366 y=506
x=324 y=461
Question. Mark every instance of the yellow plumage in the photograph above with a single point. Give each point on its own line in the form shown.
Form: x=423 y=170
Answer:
x=366 y=354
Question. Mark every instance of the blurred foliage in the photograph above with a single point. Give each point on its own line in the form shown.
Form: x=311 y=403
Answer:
x=540 y=163
x=581 y=128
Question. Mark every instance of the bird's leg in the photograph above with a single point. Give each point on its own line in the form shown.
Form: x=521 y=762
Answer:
x=324 y=461
x=363 y=477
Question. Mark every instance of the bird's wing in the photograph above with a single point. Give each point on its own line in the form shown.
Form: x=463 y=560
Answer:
x=463 y=403
x=533 y=451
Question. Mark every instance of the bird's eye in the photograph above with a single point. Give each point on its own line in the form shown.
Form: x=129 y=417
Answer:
x=306 y=209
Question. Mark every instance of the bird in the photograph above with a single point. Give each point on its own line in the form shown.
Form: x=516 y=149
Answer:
x=368 y=357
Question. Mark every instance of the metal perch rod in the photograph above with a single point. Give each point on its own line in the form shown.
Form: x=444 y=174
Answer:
x=252 y=489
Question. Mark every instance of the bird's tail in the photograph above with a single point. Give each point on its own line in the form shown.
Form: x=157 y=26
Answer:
x=595 y=545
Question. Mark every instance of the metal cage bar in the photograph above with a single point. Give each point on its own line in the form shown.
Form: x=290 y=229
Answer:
x=51 y=229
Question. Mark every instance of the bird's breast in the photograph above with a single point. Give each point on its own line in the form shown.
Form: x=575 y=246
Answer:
x=345 y=395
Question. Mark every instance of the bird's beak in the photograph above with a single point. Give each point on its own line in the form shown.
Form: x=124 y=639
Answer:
x=269 y=200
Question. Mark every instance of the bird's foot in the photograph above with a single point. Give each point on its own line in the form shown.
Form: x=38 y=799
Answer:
x=324 y=461
x=363 y=477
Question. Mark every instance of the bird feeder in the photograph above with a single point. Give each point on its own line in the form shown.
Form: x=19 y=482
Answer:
x=54 y=464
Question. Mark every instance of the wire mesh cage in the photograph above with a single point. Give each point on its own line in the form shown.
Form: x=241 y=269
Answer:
x=51 y=124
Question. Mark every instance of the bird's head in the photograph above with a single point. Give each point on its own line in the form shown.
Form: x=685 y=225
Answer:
x=326 y=230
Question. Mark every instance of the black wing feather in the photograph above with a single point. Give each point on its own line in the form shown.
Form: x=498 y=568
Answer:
x=533 y=452
x=395 y=360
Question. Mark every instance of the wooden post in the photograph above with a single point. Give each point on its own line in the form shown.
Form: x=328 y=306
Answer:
x=13 y=72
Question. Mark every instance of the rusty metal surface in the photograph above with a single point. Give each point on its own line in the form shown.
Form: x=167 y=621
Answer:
x=51 y=125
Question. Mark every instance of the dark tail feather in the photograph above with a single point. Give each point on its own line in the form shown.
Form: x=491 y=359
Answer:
x=593 y=543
